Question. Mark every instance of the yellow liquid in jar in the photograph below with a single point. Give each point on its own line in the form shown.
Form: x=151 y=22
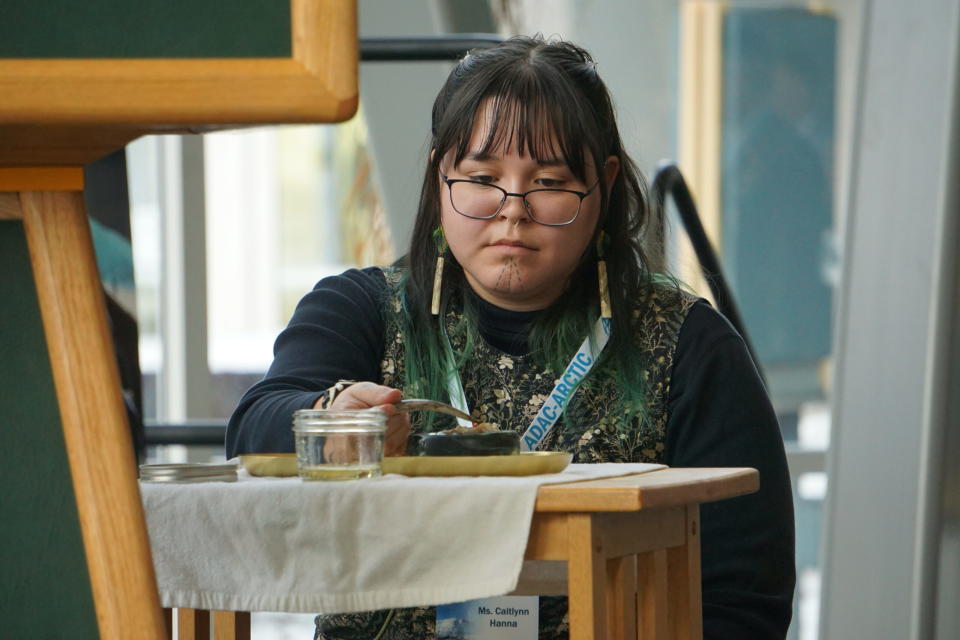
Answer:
x=337 y=472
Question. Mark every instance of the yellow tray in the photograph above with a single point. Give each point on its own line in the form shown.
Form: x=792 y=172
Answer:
x=270 y=464
x=526 y=464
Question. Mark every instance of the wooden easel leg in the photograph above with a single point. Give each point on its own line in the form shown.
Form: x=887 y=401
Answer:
x=586 y=580
x=231 y=625
x=683 y=576
x=97 y=438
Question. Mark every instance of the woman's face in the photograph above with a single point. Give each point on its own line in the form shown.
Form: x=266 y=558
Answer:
x=510 y=260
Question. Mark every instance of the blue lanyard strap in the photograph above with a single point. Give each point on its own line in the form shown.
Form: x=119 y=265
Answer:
x=580 y=365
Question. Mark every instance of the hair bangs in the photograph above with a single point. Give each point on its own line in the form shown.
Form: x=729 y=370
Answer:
x=522 y=111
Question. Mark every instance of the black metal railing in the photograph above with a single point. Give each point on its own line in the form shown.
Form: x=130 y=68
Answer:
x=199 y=433
x=669 y=181
x=424 y=48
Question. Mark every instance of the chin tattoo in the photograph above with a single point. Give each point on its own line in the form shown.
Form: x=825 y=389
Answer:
x=509 y=276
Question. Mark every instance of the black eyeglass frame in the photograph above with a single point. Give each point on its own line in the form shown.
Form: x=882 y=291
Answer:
x=523 y=196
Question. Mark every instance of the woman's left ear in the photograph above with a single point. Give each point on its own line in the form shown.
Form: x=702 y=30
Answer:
x=610 y=170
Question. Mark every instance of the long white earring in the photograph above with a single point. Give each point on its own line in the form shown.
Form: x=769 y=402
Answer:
x=605 y=311
x=441 y=242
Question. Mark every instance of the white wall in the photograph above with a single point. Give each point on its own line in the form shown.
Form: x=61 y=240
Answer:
x=890 y=409
x=397 y=98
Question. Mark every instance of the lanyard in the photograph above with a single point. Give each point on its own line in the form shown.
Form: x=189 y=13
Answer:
x=580 y=365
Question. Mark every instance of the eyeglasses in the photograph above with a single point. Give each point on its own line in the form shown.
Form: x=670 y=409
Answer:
x=483 y=201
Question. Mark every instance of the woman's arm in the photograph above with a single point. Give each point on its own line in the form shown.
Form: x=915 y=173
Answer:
x=336 y=333
x=720 y=416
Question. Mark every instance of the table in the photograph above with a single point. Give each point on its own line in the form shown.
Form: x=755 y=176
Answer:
x=630 y=544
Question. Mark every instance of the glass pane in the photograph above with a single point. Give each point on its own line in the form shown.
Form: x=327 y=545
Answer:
x=777 y=225
x=286 y=206
x=146 y=223
x=777 y=153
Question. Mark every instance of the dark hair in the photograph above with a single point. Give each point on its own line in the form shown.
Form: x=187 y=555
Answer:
x=539 y=91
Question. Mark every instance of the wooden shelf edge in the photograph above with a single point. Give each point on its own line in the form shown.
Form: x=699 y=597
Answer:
x=13 y=179
x=180 y=92
x=319 y=83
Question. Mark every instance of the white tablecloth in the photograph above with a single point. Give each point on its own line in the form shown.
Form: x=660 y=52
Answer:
x=280 y=544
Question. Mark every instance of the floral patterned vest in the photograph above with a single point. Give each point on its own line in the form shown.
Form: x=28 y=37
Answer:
x=509 y=390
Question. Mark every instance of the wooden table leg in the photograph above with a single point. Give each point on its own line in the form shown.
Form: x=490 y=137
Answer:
x=193 y=624
x=231 y=625
x=652 y=595
x=586 y=580
x=683 y=582
x=622 y=590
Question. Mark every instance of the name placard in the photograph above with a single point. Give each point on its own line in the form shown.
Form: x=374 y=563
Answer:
x=503 y=618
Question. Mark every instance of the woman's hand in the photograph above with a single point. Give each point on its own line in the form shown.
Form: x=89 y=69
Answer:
x=367 y=395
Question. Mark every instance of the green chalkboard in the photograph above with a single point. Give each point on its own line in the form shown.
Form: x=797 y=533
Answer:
x=44 y=588
x=145 y=29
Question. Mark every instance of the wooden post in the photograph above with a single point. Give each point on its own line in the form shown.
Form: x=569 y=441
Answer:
x=168 y=622
x=652 y=596
x=193 y=624
x=585 y=579
x=622 y=603
x=683 y=582
x=231 y=625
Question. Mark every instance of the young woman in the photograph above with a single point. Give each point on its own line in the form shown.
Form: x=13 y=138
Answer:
x=528 y=246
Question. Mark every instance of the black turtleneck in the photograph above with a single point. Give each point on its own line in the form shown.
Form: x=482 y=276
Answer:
x=504 y=329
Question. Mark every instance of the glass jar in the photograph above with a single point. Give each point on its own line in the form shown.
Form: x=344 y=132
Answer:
x=339 y=445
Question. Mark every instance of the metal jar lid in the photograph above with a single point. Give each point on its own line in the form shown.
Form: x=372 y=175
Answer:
x=326 y=421
x=197 y=472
